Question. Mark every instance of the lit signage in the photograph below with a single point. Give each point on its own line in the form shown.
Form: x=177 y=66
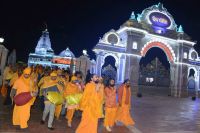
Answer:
x=61 y=61
x=159 y=19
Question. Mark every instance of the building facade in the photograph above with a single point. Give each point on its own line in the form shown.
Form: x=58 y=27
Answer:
x=44 y=55
x=85 y=64
x=154 y=27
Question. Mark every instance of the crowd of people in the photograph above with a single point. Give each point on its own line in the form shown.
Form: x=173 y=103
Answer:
x=98 y=100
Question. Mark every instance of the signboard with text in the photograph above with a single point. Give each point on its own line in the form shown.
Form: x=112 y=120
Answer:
x=160 y=22
x=159 y=19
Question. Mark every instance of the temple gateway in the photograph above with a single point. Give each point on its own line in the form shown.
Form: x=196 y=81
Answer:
x=154 y=27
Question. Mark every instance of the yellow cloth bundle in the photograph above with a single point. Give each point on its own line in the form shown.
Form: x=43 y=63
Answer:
x=8 y=76
x=73 y=99
x=55 y=98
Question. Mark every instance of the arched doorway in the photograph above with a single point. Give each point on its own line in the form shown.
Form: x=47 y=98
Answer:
x=109 y=69
x=154 y=72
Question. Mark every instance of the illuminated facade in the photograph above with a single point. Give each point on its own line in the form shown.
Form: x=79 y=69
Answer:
x=44 y=55
x=154 y=27
x=85 y=64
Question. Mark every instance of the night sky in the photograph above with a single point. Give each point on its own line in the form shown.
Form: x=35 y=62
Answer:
x=79 y=24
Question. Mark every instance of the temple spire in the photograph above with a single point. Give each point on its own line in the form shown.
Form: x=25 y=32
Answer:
x=160 y=6
x=46 y=27
x=44 y=43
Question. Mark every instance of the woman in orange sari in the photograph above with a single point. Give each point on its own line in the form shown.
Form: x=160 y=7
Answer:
x=124 y=99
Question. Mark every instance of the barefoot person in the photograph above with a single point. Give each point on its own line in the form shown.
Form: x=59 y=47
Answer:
x=124 y=99
x=71 y=89
x=90 y=104
x=110 y=105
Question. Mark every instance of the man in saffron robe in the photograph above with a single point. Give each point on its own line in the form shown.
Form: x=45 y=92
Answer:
x=78 y=75
x=21 y=114
x=14 y=78
x=41 y=85
x=61 y=87
x=7 y=75
x=90 y=104
x=124 y=100
x=71 y=88
x=50 y=85
x=110 y=105
x=100 y=88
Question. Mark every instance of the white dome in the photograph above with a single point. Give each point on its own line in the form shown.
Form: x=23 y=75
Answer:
x=67 y=53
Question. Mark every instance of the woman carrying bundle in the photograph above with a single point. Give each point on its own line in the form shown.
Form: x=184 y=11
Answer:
x=50 y=99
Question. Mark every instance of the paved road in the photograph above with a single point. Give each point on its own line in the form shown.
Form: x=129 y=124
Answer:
x=160 y=114
x=153 y=114
x=35 y=127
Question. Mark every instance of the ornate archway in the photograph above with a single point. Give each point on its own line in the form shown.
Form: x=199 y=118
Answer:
x=166 y=48
x=154 y=69
x=112 y=55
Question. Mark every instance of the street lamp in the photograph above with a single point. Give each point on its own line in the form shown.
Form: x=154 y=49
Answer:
x=85 y=52
x=1 y=40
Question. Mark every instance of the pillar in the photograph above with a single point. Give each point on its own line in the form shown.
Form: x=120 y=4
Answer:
x=179 y=79
x=133 y=72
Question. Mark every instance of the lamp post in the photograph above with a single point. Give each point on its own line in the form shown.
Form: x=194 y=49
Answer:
x=1 y=40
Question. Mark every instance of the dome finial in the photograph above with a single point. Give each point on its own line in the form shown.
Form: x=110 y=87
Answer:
x=160 y=6
x=139 y=16
x=180 y=29
x=132 y=16
x=85 y=52
x=45 y=26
